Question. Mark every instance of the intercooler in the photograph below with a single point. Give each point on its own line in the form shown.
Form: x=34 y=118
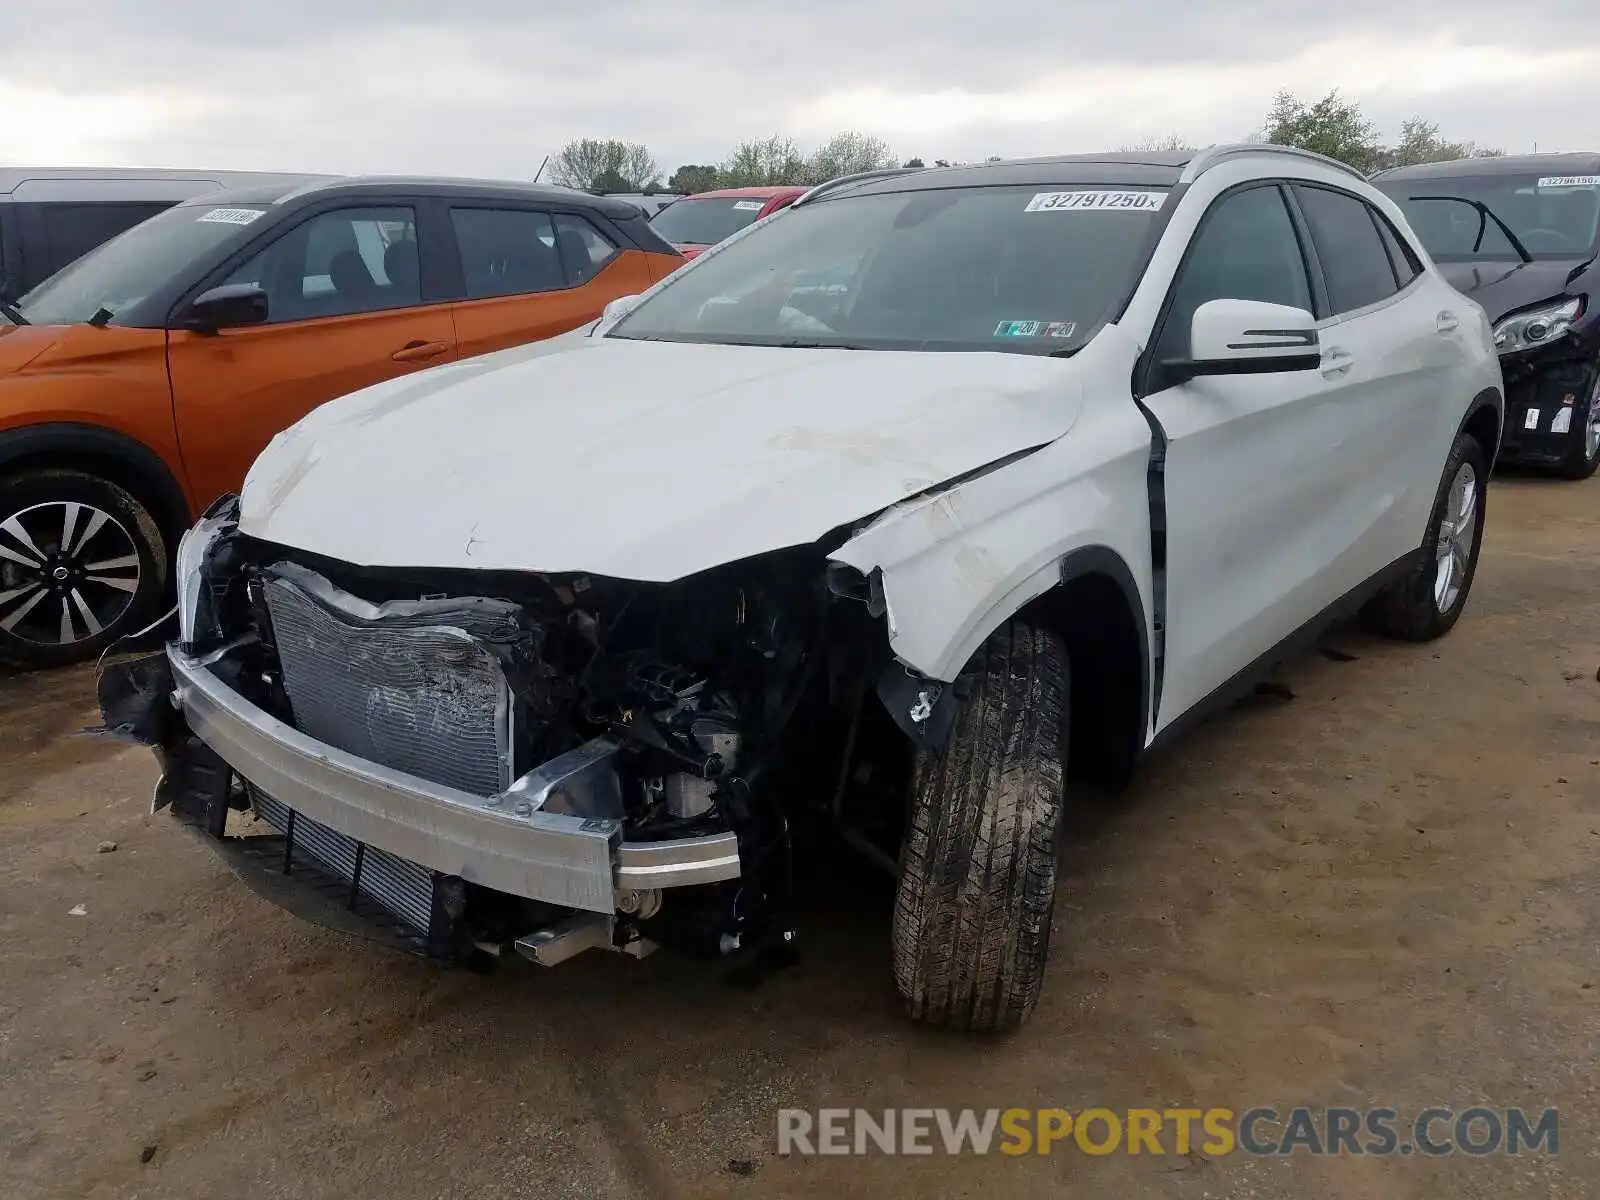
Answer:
x=414 y=685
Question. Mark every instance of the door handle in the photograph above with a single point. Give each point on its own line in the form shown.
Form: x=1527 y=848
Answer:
x=1446 y=322
x=1337 y=362
x=419 y=351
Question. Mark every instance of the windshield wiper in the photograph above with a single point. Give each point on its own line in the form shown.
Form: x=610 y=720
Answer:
x=11 y=312
x=1485 y=214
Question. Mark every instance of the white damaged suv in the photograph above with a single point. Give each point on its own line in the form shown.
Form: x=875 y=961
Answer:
x=892 y=518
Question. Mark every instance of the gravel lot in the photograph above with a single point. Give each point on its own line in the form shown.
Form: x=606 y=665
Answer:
x=1380 y=892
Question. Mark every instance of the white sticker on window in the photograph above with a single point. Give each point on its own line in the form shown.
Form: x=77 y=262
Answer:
x=1138 y=202
x=1531 y=421
x=231 y=216
x=1569 y=181
x=1563 y=421
x=747 y=205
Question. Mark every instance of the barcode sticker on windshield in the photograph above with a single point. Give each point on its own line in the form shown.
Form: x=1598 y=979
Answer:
x=1137 y=202
x=231 y=216
x=747 y=206
x=1566 y=181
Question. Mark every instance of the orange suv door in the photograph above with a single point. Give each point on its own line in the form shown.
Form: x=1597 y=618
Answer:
x=346 y=308
x=530 y=274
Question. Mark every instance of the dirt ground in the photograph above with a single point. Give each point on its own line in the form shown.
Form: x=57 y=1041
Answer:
x=1380 y=892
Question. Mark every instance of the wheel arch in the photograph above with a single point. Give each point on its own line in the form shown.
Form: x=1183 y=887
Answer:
x=1096 y=607
x=1090 y=596
x=1485 y=422
x=112 y=456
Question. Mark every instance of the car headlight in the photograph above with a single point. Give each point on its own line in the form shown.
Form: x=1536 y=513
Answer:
x=195 y=620
x=1537 y=326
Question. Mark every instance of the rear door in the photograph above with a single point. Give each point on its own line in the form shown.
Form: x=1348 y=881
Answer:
x=1392 y=357
x=530 y=273
x=351 y=302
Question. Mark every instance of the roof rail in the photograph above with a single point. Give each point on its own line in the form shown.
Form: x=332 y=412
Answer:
x=1212 y=155
x=851 y=181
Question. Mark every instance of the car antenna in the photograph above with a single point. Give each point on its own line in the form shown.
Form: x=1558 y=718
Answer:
x=542 y=166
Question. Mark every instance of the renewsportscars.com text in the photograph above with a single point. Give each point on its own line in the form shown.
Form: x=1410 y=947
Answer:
x=1431 y=1132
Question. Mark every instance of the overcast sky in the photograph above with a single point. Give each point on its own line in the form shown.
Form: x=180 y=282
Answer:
x=488 y=87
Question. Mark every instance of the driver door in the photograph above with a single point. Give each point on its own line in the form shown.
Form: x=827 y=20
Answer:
x=1255 y=480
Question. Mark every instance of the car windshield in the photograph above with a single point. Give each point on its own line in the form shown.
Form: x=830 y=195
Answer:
x=1013 y=268
x=1553 y=216
x=706 y=221
x=123 y=271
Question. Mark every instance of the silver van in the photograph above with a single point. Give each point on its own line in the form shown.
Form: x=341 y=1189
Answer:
x=51 y=216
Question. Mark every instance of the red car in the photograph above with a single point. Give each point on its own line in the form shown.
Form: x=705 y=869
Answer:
x=700 y=221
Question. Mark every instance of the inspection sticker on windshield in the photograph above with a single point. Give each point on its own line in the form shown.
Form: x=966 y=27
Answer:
x=747 y=206
x=1566 y=181
x=1137 y=202
x=1019 y=329
x=231 y=216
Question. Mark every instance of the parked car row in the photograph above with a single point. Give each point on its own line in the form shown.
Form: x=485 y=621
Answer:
x=899 y=516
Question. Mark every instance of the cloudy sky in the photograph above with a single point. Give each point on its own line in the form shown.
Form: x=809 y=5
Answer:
x=488 y=87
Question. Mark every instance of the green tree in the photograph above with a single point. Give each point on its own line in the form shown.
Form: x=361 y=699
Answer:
x=1420 y=143
x=846 y=154
x=1332 y=126
x=771 y=162
x=605 y=163
x=691 y=178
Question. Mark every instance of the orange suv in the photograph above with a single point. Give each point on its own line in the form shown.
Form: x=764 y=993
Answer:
x=139 y=383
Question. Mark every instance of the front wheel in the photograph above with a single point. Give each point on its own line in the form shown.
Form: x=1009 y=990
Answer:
x=1426 y=602
x=978 y=865
x=1583 y=437
x=81 y=564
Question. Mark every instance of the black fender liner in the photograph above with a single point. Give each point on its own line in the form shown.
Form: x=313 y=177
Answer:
x=139 y=468
x=925 y=709
x=1103 y=560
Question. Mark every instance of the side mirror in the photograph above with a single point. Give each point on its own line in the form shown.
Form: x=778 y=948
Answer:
x=226 y=306
x=1246 y=337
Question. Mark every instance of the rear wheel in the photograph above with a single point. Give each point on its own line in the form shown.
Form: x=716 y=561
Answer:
x=978 y=867
x=1426 y=603
x=82 y=563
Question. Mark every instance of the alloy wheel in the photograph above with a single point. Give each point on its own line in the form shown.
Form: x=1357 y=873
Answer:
x=68 y=572
x=1458 y=533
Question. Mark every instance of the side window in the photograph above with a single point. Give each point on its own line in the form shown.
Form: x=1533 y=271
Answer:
x=1401 y=256
x=584 y=249
x=507 y=252
x=1354 y=261
x=1246 y=249
x=350 y=260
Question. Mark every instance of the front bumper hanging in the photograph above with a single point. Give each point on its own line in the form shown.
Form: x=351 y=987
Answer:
x=340 y=818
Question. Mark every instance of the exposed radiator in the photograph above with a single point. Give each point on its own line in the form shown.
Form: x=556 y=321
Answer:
x=403 y=888
x=412 y=684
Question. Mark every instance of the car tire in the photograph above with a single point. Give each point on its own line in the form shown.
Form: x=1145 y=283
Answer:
x=978 y=863
x=1583 y=450
x=1426 y=602
x=82 y=564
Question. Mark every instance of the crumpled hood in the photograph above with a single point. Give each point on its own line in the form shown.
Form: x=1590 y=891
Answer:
x=640 y=460
x=1504 y=287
